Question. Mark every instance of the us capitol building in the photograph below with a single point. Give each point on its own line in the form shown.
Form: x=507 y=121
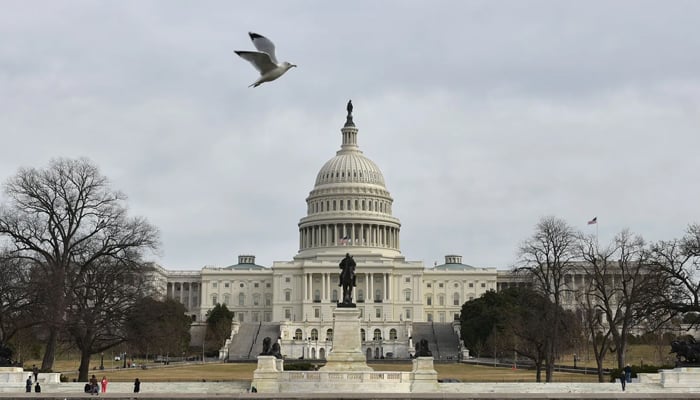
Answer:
x=349 y=210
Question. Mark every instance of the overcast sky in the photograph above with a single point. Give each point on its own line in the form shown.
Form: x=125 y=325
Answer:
x=484 y=116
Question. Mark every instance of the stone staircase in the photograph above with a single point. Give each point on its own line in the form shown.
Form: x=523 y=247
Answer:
x=247 y=343
x=441 y=337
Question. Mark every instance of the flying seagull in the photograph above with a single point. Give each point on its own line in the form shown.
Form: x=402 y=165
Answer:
x=264 y=59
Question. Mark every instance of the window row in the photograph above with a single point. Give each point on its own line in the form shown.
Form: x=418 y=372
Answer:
x=349 y=205
x=313 y=334
x=227 y=285
x=456 y=300
x=456 y=285
x=242 y=299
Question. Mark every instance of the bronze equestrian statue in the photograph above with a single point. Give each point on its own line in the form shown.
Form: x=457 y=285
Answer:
x=347 y=280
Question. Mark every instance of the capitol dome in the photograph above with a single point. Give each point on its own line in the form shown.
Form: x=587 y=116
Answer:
x=349 y=205
x=350 y=167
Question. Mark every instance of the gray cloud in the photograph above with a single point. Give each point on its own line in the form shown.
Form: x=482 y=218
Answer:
x=484 y=116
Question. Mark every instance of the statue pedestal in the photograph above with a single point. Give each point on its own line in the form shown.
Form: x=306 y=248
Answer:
x=424 y=375
x=346 y=354
x=266 y=376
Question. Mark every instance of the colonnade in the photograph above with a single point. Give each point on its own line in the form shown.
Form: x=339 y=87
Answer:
x=326 y=286
x=372 y=235
x=176 y=290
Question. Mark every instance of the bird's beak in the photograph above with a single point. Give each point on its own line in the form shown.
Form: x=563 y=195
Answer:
x=294 y=65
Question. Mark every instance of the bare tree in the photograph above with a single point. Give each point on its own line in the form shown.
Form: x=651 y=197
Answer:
x=103 y=295
x=678 y=261
x=548 y=257
x=17 y=299
x=63 y=219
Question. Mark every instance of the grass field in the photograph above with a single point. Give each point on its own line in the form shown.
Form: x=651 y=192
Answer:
x=244 y=371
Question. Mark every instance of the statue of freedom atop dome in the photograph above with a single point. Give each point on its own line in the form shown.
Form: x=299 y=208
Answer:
x=347 y=280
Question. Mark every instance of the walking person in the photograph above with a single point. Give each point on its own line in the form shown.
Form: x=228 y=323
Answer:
x=104 y=383
x=628 y=373
x=35 y=371
x=137 y=385
x=623 y=380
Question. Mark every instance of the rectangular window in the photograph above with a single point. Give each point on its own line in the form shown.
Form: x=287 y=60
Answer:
x=378 y=312
x=241 y=317
x=407 y=279
x=213 y=284
x=256 y=284
x=441 y=285
x=408 y=295
x=226 y=284
x=267 y=285
x=287 y=314
x=483 y=285
x=430 y=317
x=430 y=285
x=256 y=317
x=471 y=284
x=287 y=296
x=287 y=279
x=317 y=313
x=408 y=313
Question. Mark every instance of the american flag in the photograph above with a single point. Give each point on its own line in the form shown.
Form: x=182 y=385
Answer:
x=344 y=240
x=593 y=221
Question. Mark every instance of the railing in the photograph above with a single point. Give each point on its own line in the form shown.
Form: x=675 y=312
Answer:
x=359 y=377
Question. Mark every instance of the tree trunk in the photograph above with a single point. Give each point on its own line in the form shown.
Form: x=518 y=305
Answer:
x=84 y=368
x=50 y=352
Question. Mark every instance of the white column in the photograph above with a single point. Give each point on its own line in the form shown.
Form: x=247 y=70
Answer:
x=371 y=286
x=189 y=296
x=367 y=293
x=387 y=281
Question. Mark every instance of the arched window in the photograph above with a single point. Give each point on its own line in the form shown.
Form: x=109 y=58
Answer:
x=392 y=334
x=360 y=295
x=407 y=294
x=441 y=300
x=378 y=295
x=377 y=334
x=314 y=334
x=455 y=299
x=329 y=334
x=241 y=299
x=317 y=296
x=297 y=335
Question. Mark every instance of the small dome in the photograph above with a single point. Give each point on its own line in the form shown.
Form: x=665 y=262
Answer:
x=350 y=167
x=453 y=262
x=245 y=262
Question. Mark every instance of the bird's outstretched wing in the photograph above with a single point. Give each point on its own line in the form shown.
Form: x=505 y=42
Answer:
x=264 y=45
x=261 y=61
